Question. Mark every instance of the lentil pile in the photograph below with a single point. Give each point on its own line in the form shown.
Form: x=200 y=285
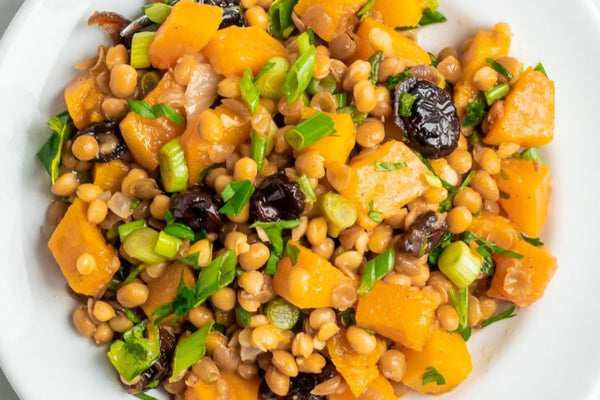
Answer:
x=292 y=199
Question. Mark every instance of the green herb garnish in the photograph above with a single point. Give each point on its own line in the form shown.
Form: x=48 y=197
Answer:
x=243 y=316
x=375 y=270
x=157 y=12
x=273 y=230
x=51 y=151
x=540 y=68
x=191 y=349
x=374 y=214
x=432 y=375
x=496 y=93
x=503 y=315
x=475 y=112
x=236 y=195
x=446 y=205
x=460 y=303
x=309 y=131
x=153 y=112
x=387 y=166
x=366 y=9
x=406 y=102
x=281 y=24
x=249 y=92
x=375 y=61
x=135 y=353
x=300 y=73
x=499 y=68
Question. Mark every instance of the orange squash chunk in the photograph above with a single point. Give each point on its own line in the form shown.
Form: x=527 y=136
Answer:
x=74 y=236
x=528 y=118
x=319 y=278
x=495 y=229
x=380 y=385
x=145 y=137
x=447 y=353
x=336 y=147
x=389 y=190
x=523 y=281
x=109 y=175
x=233 y=49
x=400 y=13
x=163 y=289
x=359 y=370
x=84 y=99
x=492 y=44
x=341 y=12
x=407 y=322
x=186 y=30
x=239 y=388
x=528 y=188
x=200 y=153
x=400 y=45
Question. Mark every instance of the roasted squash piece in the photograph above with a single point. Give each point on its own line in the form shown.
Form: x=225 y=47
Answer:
x=233 y=49
x=399 y=13
x=74 y=236
x=523 y=281
x=342 y=14
x=496 y=229
x=528 y=117
x=397 y=45
x=388 y=190
x=84 y=99
x=359 y=370
x=380 y=385
x=444 y=351
x=163 y=289
x=408 y=322
x=492 y=44
x=145 y=137
x=336 y=147
x=526 y=187
x=310 y=282
x=239 y=388
x=186 y=30
x=109 y=175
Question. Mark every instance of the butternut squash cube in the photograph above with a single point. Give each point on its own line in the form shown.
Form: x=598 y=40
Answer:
x=342 y=14
x=400 y=13
x=84 y=99
x=239 y=388
x=109 y=175
x=163 y=289
x=336 y=147
x=380 y=384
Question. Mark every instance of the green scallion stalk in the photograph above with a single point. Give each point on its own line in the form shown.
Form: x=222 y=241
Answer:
x=307 y=189
x=499 y=68
x=258 y=149
x=531 y=154
x=310 y=131
x=281 y=24
x=406 y=102
x=338 y=211
x=327 y=84
x=173 y=168
x=249 y=92
x=342 y=99
x=148 y=82
x=157 y=12
x=282 y=314
x=167 y=245
x=127 y=229
x=304 y=42
x=271 y=78
x=299 y=76
x=140 y=245
x=496 y=93
x=140 y=43
x=459 y=264
x=375 y=60
x=540 y=68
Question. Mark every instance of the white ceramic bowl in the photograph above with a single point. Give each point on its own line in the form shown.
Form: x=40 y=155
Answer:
x=550 y=351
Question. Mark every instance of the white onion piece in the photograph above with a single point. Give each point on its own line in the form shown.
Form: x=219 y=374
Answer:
x=201 y=92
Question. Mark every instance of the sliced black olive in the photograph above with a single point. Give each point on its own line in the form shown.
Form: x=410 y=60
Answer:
x=277 y=199
x=431 y=125
x=423 y=235
x=111 y=142
x=197 y=208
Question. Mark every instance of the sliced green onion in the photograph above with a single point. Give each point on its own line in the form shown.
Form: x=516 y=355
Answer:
x=540 y=68
x=281 y=24
x=135 y=353
x=499 y=68
x=459 y=264
x=387 y=166
x=375 y=270
x=148 y=82
x=190 y=349
x=258 y=149
x=307 y=189
x=366 y=9
x=127 y=229
x=140 y=245
x=531 y=154
x=282 y=314
x=157 y=12
x=342 y=99
x=460 y=302
x=432 y=375
x=243 y=316
x=496 y=93
x=299 y=76
x=140 y=43
x=236 y=195
x=250 y=95
x=309 y=131
x=274 y=230
x=153 y=112
x=51 y=151
x=406 y=102
x=167 y=245
x=173 y=167
x=434 y=60
x=503 y=315
x=327 y=84
x=134 y=274
x=433 y=181
x=271 y=79
x=432 y=17
x=375 y=61
x=338 y=210
x=475 y=112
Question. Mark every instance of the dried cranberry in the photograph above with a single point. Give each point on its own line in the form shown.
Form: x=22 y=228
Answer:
x=277 y=199
x=198 y=209
x=431 y=126
x=423 y=235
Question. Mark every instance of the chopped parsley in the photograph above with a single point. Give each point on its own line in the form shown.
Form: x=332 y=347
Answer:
x=432 y=375
x=475 y=111
x=509 y=313
x=388 y=166
x=274 y=230
x=153 y=112
x=485 y=249
x=406 y=102
x=374 y=214
x=460 y=302
x=236 y=195
x=499 y=68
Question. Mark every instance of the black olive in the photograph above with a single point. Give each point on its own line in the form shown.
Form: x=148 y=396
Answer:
x=300 y=386
x=111 y=142
x=423 y=235
x=277 y=199
x=432 y=126
x=197 y=208
x=161 y=367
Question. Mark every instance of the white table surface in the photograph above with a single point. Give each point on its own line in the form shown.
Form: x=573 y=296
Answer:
x=8 y=8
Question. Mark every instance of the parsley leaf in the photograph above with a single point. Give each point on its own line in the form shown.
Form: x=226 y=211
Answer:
x=475 y=112
x=486 y=249
x=503 y=315
x=51 y=151
x=153 y=112
x=533 y=241
x=366 y=8
x=236 y=195
x=375 y=61
x=292 y=252
x=243 y=316
x=446 y=205
x=374 y=214
x=375 y=270
x=387 y=166
x=191 y=349
x=432 y=375
x=135 y=353
x=437 y=251
x=273 y=230
x=348 y=317
x=396 y=79
x=499 y=68
x=406 y=102
x=460 y=303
